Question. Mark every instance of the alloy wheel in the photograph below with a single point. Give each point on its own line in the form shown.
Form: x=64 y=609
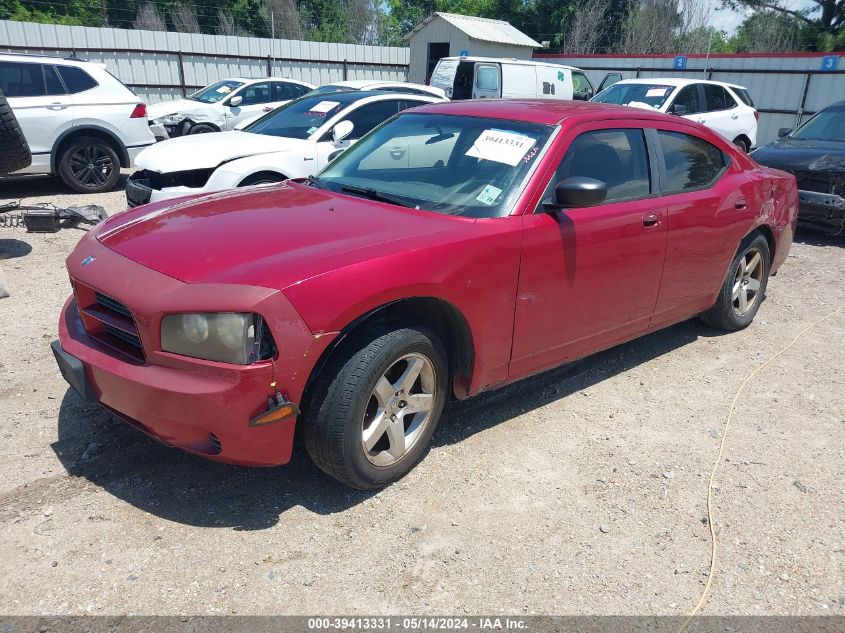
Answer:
x=399 y=409
x=747 y=282
x=91 y=166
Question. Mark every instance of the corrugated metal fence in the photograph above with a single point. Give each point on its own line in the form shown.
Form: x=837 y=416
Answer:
x=160 y=65
x=786 y=88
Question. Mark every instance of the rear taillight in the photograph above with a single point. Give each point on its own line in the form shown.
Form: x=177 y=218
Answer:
x=140 y=111
x=756 y=115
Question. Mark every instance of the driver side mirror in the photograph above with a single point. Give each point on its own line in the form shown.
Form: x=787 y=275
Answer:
x=577 y=192
x=678 y=109
x=784 y=132
x=342 y=130
x=235 y=101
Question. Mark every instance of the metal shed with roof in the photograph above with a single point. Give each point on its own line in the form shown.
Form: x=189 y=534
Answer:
x=449 y=34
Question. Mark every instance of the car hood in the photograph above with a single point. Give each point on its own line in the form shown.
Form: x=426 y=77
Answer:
x=272 y=236
x=802 y=155
x=206 y=151
x=177 y=106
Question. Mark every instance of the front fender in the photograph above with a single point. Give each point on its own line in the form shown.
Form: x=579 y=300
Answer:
x=475 y=270
x=235 y=171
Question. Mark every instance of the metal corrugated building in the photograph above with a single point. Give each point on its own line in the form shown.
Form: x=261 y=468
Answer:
x=449 y=35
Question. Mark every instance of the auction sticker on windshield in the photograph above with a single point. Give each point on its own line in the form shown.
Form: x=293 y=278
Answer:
x=657 y=92
x=501 y=146
x=323 y=107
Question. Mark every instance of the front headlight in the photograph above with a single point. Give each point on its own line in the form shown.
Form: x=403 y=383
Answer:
x=171 y=119
x=228 y=337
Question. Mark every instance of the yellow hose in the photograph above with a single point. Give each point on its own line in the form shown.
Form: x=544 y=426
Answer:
x=718 y=463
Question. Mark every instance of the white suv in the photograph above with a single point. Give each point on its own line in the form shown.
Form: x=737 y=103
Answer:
x=724 y=108
x=222 y=105
x=81 y=123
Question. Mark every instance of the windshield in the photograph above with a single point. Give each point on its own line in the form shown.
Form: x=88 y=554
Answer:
x=458 y=165
x=216 y=92
x=827 y=125
x=300 y=118
x=637 y=95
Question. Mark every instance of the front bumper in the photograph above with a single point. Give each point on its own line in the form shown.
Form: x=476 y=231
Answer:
x=139 y=189
x=821 y=208
x=200 y=406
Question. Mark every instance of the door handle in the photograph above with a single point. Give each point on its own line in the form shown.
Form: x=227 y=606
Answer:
x=56 y=106
x=740 y=204
x=734 y=116
x=397 y=152
x=652 y=219
x=700 y=120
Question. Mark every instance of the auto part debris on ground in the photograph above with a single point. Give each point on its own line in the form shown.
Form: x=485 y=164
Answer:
x=44 y=217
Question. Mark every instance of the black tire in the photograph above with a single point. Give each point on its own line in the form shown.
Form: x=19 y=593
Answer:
x=202 y=128
x=264 y=178
x=742 y=144
x=14 y=150
x=334 y=427
x=728 y=313
x=88 y=164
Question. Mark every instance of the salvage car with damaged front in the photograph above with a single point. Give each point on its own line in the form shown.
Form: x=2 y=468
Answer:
x=815 y=153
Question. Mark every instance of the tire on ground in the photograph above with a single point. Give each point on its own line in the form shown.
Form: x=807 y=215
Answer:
x=724 y=315
x=104 y=149
x=14 y=150
x=334 y=424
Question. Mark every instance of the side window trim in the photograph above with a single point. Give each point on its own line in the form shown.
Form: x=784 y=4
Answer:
x=664 y=176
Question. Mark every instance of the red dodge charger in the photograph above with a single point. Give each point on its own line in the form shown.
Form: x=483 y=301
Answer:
x=456 y=248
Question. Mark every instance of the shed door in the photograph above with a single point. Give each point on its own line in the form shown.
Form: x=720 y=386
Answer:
x=436 y=51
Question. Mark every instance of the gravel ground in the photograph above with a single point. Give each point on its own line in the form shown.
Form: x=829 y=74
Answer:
x=580 y=491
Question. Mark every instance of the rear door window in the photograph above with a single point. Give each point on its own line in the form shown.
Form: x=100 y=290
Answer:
x=371 y=115
x=285 y=91
x=690 y=163
x=688 y=101
x=715 y=97
x=52 y=83
x=255 y=94
x=617 y=157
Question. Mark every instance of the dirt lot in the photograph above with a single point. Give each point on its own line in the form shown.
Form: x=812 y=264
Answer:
x=581 y=491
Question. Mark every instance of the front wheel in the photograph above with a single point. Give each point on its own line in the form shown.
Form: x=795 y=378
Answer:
x=744 y=288
x=374 y=415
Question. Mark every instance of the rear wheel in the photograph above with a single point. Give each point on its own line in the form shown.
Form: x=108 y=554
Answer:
x=374 y=416
x=744 y=288
x=89 y=165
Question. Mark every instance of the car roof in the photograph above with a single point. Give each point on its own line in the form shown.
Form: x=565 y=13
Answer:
x=677 y=81
x=48 y=59
x=351 y=96
x=543 y=111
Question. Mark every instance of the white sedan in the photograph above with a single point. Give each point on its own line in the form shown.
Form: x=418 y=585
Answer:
x=294 y=141
x=724 y=108
x=222 y=105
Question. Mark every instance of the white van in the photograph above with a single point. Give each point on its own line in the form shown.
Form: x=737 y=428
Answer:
x=491 y=78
